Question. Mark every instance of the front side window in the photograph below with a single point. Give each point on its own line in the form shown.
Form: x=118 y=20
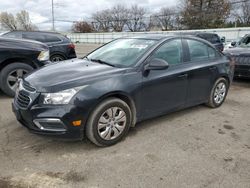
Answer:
x=197 y=50
x=122 y=52
x=171 y=52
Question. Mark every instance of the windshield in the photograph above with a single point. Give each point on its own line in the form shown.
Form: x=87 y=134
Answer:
x=122 y=52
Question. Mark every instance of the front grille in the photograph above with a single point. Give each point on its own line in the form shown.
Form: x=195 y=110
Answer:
x=242 y=60
x=28 y=87
x=23 y=100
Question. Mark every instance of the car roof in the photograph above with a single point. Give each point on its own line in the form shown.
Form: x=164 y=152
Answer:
x=197 y=33
x=43 y=32
x=152 y=36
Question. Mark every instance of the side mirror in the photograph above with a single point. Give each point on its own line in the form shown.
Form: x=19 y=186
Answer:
x=233 y=43
x=157 y=64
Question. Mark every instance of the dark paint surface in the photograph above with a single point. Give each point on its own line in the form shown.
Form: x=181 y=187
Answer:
x=21 y=49
x=60 y=47
x=151 y=93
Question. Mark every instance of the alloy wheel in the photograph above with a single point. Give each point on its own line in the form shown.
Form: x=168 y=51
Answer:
x=12 y=78
x=112 y=123
x=220 y=93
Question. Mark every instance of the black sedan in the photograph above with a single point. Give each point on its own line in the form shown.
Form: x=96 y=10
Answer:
x=17 y=58
x=121 y=83
x=61 y=48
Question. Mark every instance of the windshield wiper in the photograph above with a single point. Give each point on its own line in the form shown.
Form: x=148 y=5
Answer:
x=102 y=62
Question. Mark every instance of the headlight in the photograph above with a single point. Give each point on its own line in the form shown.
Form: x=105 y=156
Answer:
x=43 y=56
x=62 y=97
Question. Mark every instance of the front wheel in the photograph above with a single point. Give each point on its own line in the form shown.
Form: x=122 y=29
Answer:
x=218 y=93
x=109 y=122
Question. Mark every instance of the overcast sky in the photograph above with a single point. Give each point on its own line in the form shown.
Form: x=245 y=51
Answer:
x=40 y=10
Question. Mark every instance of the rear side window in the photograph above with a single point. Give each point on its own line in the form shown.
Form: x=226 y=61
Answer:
x=170 y=51
x=51 y=38
x=201 y=51
x=197 y=50
x=212 y=52
x=37 y=37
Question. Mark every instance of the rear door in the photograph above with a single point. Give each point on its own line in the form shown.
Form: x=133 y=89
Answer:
x=202 y=70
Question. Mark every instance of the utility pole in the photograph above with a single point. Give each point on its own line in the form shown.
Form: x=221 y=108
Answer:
x=53 y=16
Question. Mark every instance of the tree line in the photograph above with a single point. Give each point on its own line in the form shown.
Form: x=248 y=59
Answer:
x=20 y=21
x=187 y=14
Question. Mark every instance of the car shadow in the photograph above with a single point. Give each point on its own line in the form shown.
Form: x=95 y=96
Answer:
x=76 y=146
x=243 y=82
x=3 y=96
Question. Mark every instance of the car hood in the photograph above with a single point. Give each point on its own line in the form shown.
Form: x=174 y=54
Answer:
x=68 y=74
x=237 y=51
x=13 y=43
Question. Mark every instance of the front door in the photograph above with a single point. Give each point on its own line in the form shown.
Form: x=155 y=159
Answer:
x=165 y=90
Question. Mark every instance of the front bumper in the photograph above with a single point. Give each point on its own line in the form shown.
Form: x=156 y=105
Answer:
x=55 y=121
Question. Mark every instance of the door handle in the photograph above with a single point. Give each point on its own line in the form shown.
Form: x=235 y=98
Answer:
x=183 y=76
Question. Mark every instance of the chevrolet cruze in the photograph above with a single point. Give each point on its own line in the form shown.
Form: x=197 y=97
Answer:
x=121 y=83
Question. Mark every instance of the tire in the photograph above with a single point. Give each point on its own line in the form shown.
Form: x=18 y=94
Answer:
x=57 y=58
x=6 y=81
x=215 y=102
x=100 y=115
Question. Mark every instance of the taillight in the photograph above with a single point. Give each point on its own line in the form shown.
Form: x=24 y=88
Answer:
x=71 y=46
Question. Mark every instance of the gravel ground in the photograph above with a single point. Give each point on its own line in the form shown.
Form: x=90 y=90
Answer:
x=195 y=147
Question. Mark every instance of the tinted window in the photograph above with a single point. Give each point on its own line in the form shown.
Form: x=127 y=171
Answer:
x=215 y=39
x=170 y=52
x=51 y=38
x=198 y=50
x=37 y=37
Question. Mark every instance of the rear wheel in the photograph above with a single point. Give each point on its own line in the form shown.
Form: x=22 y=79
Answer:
x=109 y=122
x=10 y=75
x=218 y=93
x=56 y=58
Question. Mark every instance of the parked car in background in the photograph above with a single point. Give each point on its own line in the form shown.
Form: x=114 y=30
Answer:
x=17 y=58
x=211 y=37
x=121 y=83
x=61 y=48
x=241 y=56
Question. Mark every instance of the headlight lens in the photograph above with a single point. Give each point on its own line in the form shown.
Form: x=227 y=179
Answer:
x=62 y=97
x=43 y=56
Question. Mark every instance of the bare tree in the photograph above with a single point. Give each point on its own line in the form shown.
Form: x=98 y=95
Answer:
x=118 y=17
x=101 y=20
x=241 y=13
x=24 y=22
x=166 y=18
x=8 y=21
x=82 y=27
x=135 y=21
x=198 y=14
